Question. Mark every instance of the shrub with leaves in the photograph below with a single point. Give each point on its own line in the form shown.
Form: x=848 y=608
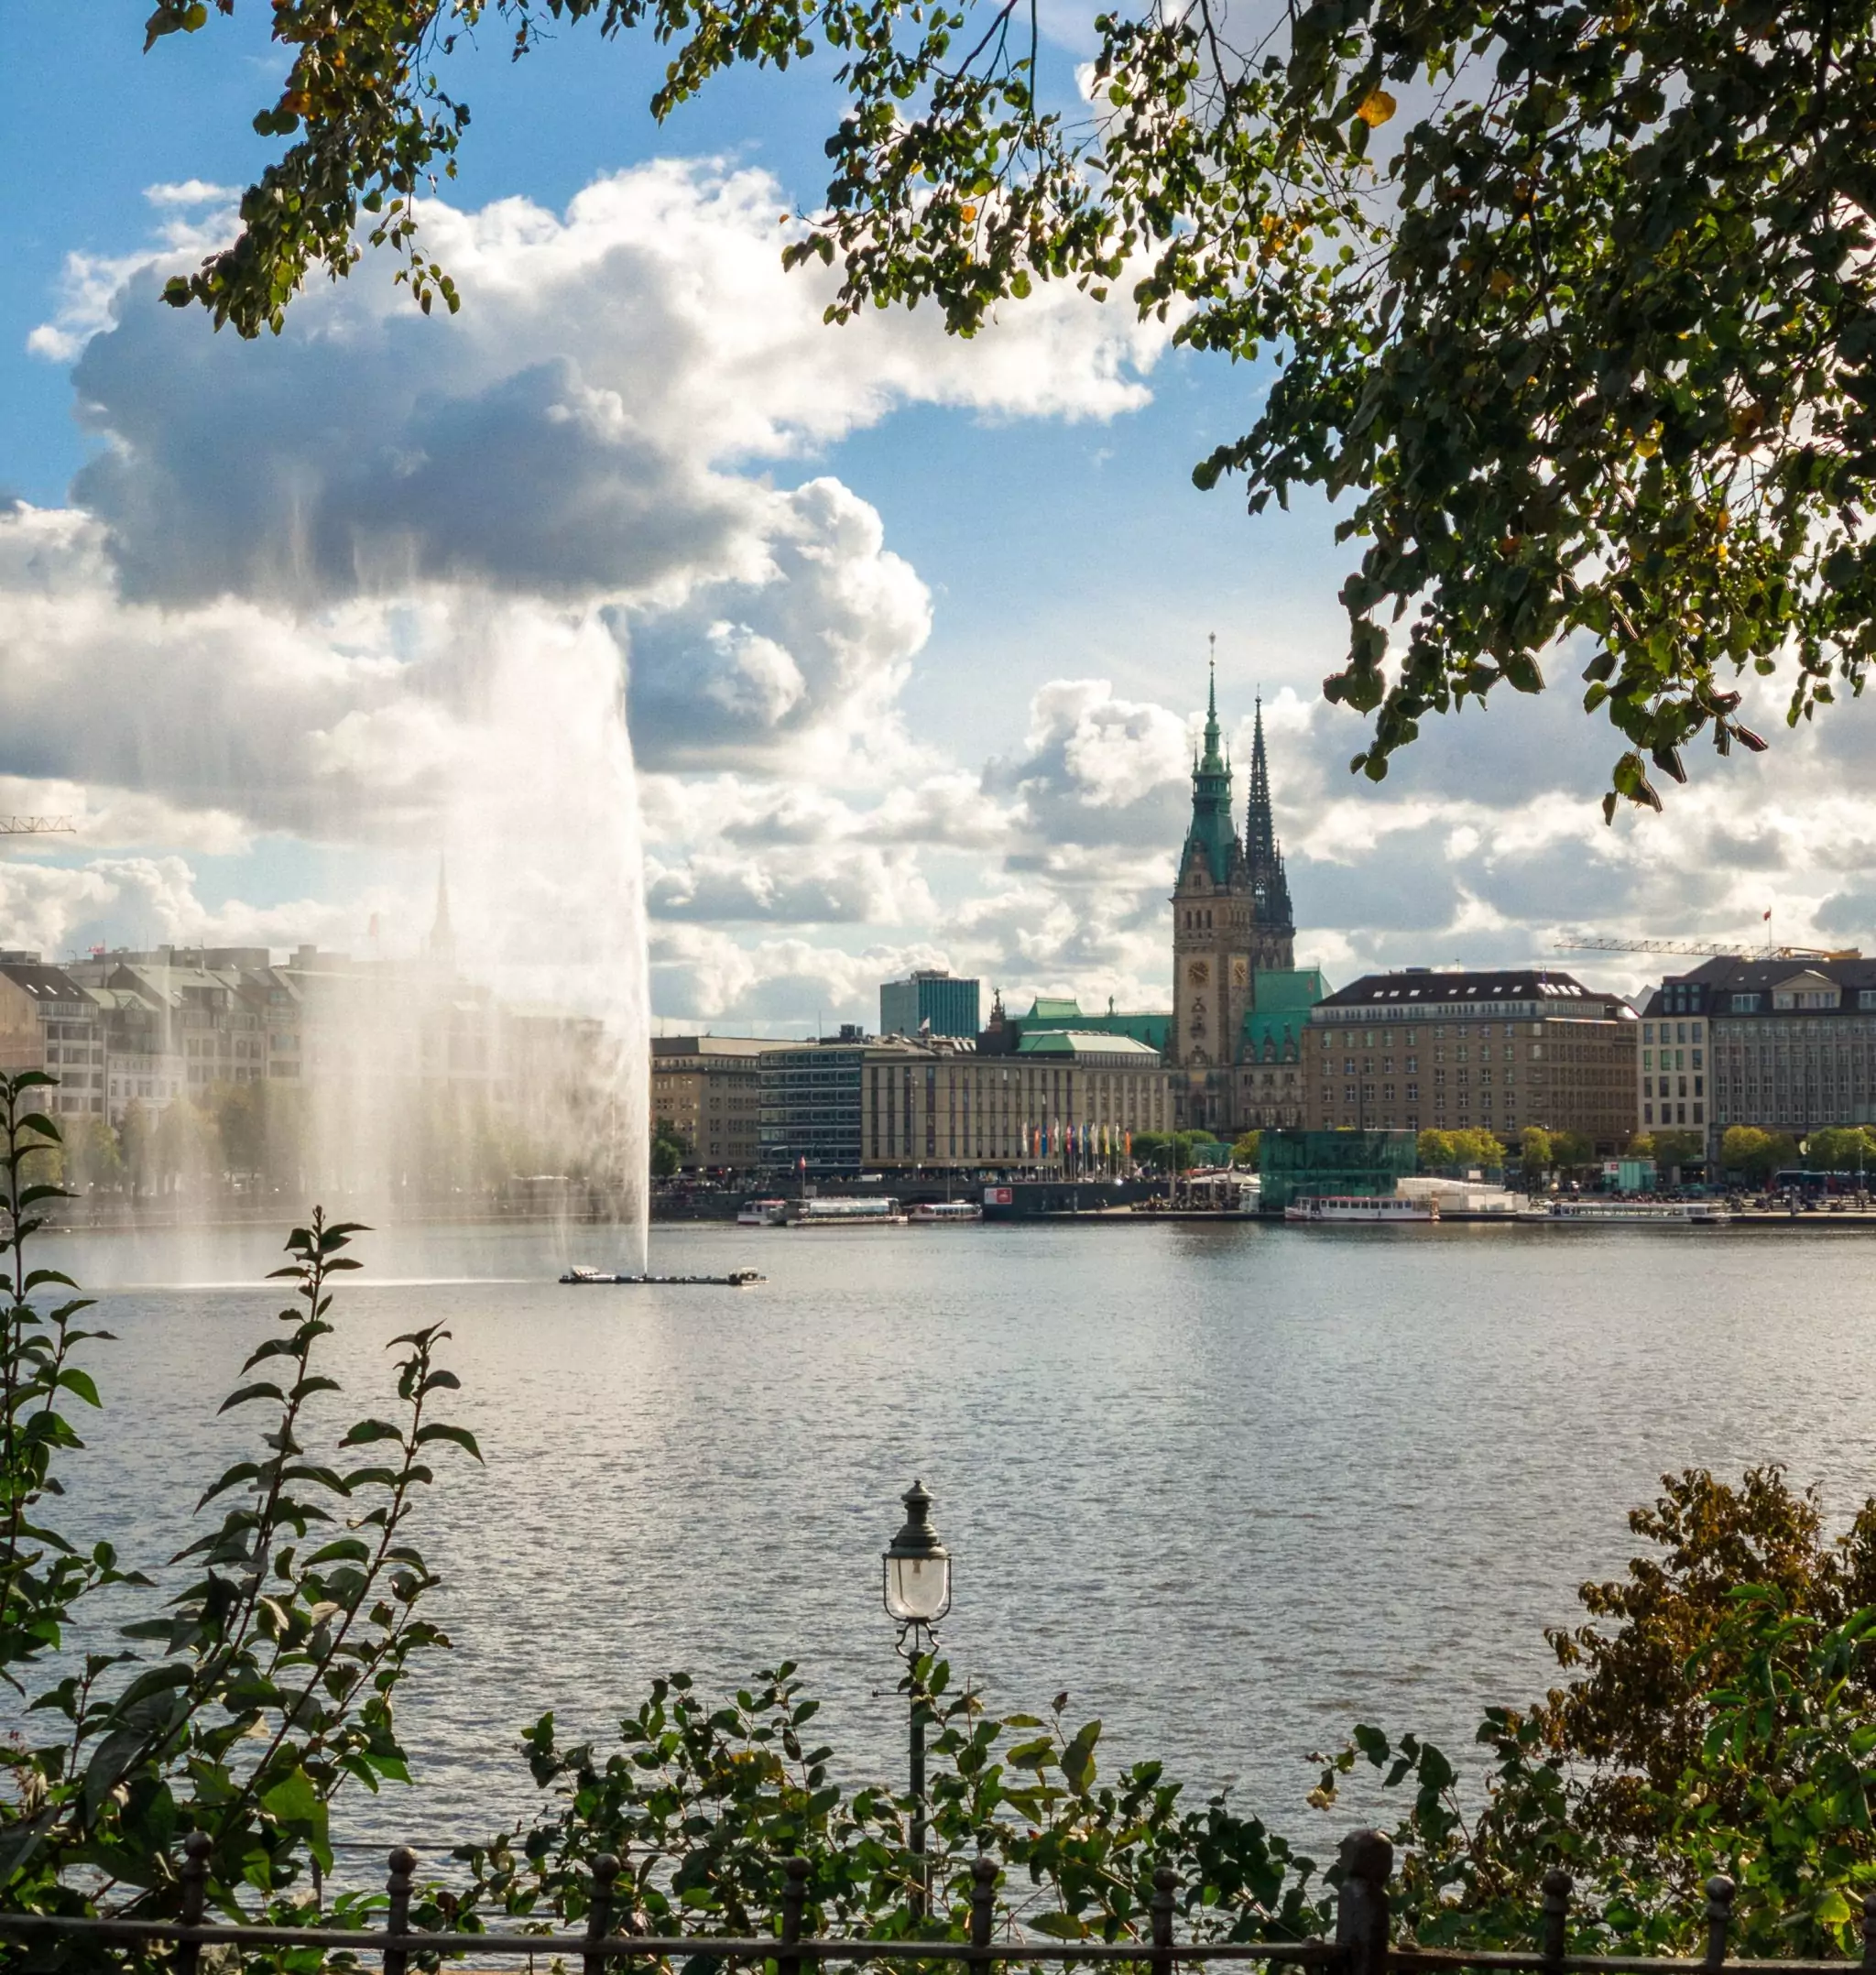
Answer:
x=705 y=1802
x=1726 y=1725
x=267 y=1682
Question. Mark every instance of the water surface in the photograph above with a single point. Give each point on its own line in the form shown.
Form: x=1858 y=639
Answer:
x=1232 y=1487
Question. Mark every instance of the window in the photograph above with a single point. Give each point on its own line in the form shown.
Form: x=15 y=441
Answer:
x=1744 y=1004
x=1647 y=1114
x=1648 y=1059
x=1648 y=1032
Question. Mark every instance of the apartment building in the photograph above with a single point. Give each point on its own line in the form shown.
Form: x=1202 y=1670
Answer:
x=49 y=1022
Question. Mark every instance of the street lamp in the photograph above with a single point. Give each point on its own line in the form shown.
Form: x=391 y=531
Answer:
x=918 y=1594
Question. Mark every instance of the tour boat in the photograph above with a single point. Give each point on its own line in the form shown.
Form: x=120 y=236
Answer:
x=878 y=1211
x=1379 y=1210
x=945 y=1213
x=761 y=1212
x=1594 y=1213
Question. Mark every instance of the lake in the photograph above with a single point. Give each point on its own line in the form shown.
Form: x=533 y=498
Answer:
x=1233 y=1486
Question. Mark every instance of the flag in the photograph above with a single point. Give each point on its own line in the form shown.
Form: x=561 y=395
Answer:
x=1767 y=913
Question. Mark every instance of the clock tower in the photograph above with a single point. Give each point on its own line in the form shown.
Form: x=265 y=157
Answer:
x=1213 y=940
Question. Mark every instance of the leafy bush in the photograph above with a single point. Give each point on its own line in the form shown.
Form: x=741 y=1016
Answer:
x=705 y=1802
x=261 y=1688
x=1727 y=1724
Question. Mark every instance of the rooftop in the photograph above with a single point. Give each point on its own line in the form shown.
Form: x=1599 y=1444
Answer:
x=1083 y=1043
x=43 y=983
x=1453 y=989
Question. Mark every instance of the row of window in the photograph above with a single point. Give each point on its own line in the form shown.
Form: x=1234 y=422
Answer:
x=1674 y=1114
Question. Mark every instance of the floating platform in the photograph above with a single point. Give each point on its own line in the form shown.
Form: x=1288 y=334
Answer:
x=736 y=1278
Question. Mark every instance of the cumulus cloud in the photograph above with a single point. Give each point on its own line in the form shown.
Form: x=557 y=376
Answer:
x=572 y=432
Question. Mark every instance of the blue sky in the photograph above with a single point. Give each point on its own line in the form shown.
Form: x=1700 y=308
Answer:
x=916 y=632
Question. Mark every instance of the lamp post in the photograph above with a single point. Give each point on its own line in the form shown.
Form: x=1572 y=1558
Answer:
x=918 y=1594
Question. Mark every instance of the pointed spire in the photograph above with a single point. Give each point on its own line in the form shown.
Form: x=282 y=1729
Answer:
x=1214 y=761
x=441 y=946
x=1269 y=881
x=1212 y=828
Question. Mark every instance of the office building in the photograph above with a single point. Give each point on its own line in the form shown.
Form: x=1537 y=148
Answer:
x=1460 y=1050
x=1787 y=1045
x=709 y=1088
x=932 y=1002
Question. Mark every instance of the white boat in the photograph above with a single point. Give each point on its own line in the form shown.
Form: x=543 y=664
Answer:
x=878 y=1211
x=945 y=1213
x=761 y=1212
x=1628 y=1213
x=1379 y=1210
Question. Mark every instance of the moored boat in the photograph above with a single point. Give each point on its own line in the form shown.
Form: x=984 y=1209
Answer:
x=877 y=1211
x=761 y=1212
x=1356 y=1210
x=945 y=1213
x=1594 y=1213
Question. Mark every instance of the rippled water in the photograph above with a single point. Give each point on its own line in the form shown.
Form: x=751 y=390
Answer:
x=1232 y=1487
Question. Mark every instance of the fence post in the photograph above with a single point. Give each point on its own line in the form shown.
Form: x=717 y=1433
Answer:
x=1719 y=1914
x=403 y=1863
x=1361 y=1908
x=984 y=1911
x=196 y=1849
x=794 y=1901
x=605 y=1871
x=1166 y=1883
x=1557 y=1884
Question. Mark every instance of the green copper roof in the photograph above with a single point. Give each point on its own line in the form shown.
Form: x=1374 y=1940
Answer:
x=1212 y=829
x=1081 y=1043
x=1044 y=1009
x=1151 y=1026
x=1281 y=998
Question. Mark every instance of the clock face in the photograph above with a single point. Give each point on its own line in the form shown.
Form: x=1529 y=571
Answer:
x=1240 y=973
x=1199 y=972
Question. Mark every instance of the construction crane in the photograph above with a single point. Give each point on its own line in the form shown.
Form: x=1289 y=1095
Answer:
x=37 y=826
x=1596 y=942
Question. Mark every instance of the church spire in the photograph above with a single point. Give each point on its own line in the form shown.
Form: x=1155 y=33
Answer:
x=1262 y=852
x=1214 y=762
x=441 y=944
x=1212 y=830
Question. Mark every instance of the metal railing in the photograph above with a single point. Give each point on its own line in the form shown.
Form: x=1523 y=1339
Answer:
x=1362 y=1942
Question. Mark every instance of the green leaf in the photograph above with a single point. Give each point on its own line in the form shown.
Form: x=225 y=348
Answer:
x=460 y=1436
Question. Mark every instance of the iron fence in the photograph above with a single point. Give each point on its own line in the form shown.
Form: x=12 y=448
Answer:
x=1362 y=1942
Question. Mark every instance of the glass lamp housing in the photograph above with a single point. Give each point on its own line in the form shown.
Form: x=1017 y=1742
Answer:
x=918 y=1588
x=918 y=1566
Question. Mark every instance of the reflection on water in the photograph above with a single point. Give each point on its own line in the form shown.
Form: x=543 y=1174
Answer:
x=1234 y=1488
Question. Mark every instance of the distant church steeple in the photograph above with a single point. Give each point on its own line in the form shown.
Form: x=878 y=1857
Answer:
x=1268 y=883
x=441 y=946
x=1213 y=830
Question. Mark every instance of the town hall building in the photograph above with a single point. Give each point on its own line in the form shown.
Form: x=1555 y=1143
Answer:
x=1241 y=1004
